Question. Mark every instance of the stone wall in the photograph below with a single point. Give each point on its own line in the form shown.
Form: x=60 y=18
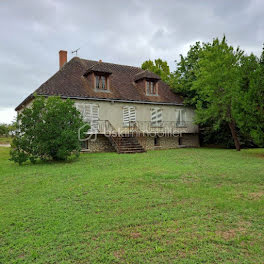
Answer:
x=167 y=142
x=102 y=143
x=190 y=140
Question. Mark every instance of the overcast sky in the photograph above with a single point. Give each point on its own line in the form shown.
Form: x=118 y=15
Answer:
x=119 y=31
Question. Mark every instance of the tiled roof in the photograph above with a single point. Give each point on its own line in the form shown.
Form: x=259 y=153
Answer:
x=70 y=82
x=99 y=67
x=146 y=74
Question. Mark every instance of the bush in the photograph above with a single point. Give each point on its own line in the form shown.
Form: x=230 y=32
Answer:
x=3 y=130
x=48 y=131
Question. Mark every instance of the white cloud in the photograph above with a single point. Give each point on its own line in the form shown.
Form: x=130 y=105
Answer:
x=126 y=32
x=7 y=115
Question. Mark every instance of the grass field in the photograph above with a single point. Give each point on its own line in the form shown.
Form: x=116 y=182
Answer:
x=5 y=140
x=174 y=206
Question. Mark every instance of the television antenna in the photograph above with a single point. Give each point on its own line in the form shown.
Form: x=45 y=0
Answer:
x=75 y=51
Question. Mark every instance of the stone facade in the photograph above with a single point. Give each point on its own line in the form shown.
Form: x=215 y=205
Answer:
x=169 y=142
x=102 y=143
x=190 y=140
x=99 y=144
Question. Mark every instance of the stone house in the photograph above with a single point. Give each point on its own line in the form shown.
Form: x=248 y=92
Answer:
x=129 y=110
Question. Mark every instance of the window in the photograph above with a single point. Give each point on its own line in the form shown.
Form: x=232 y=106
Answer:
x=156 y=141
x=100 y=82
x=129 y=115
x=84 y=145
x=151 y=88
x=90 y=114
x=180 y=118
x=156 y=117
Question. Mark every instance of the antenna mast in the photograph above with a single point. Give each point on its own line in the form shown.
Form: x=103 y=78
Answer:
x=75 y=51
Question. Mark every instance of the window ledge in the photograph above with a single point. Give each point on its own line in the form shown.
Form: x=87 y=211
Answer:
x=147 y=94
x=102 y=91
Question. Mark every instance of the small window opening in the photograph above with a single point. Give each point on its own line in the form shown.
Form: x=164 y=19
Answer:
x=180 y=141
x=151 y=88
x=84 y=145
x=156 y=141
x=100 y=82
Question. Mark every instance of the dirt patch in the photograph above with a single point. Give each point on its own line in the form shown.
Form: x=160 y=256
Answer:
x=255 y=195
x=234 y=232
x=119 y=253
x=135 y=235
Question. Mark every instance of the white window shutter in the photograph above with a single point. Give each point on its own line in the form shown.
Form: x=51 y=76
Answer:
x=132 y=114
x=129 y=115
x=81 y=109
x=159 y=116
x=87 y=115
x=156 y=116
x=94 y=117
x=125 y=116
x=153 y=116
x=180 y=117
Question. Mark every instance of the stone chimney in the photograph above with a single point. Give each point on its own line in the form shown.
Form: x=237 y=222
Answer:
x=62 y=57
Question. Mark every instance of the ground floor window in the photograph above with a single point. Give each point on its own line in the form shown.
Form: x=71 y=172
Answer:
x=84 y=144
x=180 y=141
x=156 y=141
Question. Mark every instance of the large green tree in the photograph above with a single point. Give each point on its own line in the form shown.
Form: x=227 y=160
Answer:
x=250 y=110
x=159 y=67
x=48 y=130
x=184 y=75
x=218 y=81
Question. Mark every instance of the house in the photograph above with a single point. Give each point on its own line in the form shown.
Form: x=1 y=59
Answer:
x=129 y=109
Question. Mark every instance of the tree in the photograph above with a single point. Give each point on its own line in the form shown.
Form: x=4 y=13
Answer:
x=218 y=82
x=48 y=130
x=158 y=67
x=184 y=76
x=250 y=110
x=3 y=130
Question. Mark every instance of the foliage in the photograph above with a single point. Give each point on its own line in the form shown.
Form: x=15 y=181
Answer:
x=47 y=130
x=250 y=110
x=227 y=89
x=242 y=95
x=3 y=130
x=208 y=208
x=218 y=83
x=158 y=67
x=184 y=76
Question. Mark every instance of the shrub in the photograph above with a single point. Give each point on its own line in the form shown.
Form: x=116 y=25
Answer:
x=3 y=130
x=48 y=131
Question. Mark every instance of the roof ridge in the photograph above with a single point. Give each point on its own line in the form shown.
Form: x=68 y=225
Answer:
x=123 y=65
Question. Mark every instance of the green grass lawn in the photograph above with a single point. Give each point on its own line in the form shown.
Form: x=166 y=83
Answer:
x=174 y=206
x=5 y=140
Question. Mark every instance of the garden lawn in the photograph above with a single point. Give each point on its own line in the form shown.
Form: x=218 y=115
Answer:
x=168 y=206
x=5 y=140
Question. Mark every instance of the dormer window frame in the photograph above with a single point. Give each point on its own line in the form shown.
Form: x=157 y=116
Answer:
x=151 y=87
x=101 y=82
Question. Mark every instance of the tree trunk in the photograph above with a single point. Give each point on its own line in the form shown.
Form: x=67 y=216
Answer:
x=234 y=134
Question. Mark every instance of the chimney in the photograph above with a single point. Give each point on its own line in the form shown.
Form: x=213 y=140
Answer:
x=62 y=57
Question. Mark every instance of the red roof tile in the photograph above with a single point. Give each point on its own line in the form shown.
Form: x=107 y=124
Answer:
x=70 y=81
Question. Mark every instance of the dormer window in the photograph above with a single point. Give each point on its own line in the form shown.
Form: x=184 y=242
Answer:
x=101 y=82
x=148 y=81
x=99 y=77
x=151 y=88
